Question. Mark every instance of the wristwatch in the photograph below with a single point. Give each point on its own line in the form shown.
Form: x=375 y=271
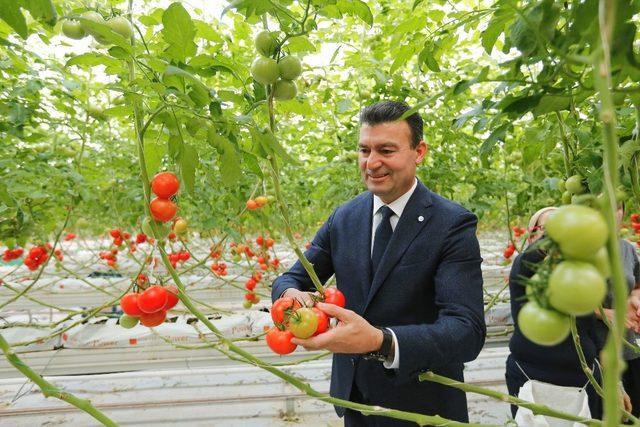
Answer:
x=385 y=349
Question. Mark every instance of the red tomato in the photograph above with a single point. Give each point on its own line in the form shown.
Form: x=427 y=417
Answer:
x=282 y=309
x=153 y=299
x=269 y=242
x=635 y=217
x=280 y=341
x=250 y=284
x=163 y=209
x=115 y=233
x=334 y=296
x=259 y=240
x=165 y=185
x=129 y=304
x=172 y=297
x=153 y=319
x=323 y=321
x=252 y=205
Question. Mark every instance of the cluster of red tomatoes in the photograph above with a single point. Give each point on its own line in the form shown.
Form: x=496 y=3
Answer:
x=219 y=269
x=257 y=203
x=149 y=307
x=176 y=257
x=573 y=286
x=38 y=255
x=251 y=297
x=11 y=254
x=119 y=237
x=110 y=256
x=511 y=248
x=164 y=185
x=291 y=319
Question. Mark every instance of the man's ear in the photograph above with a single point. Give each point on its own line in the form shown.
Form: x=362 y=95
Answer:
x=422 y=150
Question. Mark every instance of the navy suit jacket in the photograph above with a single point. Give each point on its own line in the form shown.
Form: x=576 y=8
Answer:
x=427 y=289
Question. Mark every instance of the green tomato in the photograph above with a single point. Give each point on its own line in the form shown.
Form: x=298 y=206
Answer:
x=284 y=89
x=290 y=67
x=95 y=112
x=128 y=322
x=93 y=17
x=303 y=322
x=121 y=25
x=561 y=185
x=542 y=326
x=265 y=70
x=621 y=194
x=576 y=288
x=601 y=262
x=247 y=304
x=266 y=43
x=73 y=29
x=579 y=230
x=566 y=198
x=573 y=184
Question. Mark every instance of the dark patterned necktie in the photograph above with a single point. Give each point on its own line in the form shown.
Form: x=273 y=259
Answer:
x=382 y=237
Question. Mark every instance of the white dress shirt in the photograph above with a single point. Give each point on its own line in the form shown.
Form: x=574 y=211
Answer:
x=397 y=206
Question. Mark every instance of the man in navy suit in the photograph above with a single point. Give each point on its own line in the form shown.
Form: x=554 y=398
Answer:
x=408 y=263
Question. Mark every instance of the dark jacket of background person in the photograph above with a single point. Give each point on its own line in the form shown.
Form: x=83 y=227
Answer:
x=558 y=364
x=427 y=289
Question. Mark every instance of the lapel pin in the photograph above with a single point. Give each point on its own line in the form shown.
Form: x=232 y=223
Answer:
x=420 y=218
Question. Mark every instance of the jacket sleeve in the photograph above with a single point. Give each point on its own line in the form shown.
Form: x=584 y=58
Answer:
x=459 y=331
x=319 y=255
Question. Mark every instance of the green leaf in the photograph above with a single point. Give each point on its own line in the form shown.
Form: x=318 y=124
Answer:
x=498 y=134
x=178 y=32
x=356 y=8
x=228 y=159
x=551 y=103
x=11 y=14
x=188 y=161
x=153 y=154
x=119 y=111
x=402 y=56
x=106 y=34
x=268 y=145
x=300 y=44
x=628 y=150
x=495 y=27
x=411 y=25
x=92 y=59
x=174 y=146
x=41 y=10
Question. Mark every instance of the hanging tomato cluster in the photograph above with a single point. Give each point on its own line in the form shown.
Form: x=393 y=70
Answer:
x=251 y=297
x=176 y=257
x=257 y=203
x=149 y=307
x=11 y=254
x=292 y=319
x=575 y=284
x=37 y=256
x=164 y=185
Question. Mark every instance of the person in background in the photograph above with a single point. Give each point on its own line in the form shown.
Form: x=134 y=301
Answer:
x=631 y=265
x=559 y=364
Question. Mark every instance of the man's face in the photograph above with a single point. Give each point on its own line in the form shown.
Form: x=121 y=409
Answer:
x=387 y=161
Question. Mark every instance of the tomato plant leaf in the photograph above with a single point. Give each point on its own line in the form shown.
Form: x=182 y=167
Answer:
x=11 y=14
x=551 y=103
x=178 y=32
x=487 y=146
x=153 y=154
x=91 y=59
x=188 y=162
x=41 y=10
x=356 y=8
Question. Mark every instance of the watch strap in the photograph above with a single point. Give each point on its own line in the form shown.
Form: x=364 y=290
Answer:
x=385 y=349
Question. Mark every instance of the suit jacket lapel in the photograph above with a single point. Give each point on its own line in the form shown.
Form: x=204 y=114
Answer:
x=361 y=228
x=405 y=232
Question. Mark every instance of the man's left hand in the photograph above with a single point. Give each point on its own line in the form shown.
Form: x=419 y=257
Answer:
x=353 y=334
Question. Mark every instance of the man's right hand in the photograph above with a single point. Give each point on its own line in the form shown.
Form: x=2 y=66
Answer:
x=306 y=298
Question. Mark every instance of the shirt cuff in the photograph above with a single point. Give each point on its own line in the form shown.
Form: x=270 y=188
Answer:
x=395 y=364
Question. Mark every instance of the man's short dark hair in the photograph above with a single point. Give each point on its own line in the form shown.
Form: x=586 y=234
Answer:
x=389 y=111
